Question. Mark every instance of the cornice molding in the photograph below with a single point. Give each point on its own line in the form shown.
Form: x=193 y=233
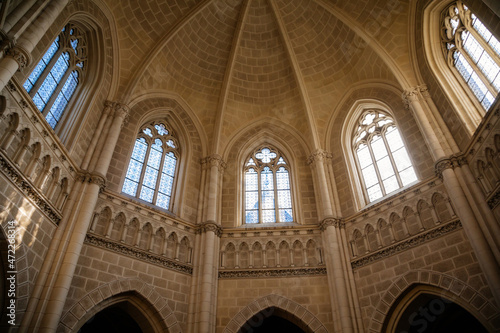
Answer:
x=265 y=273
x=406 y=244
x=129 y=251
x=28 y=189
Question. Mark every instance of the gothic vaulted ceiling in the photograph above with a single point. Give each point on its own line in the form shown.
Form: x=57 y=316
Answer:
x=237 y=61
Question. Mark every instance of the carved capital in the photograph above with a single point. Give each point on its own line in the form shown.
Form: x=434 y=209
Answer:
x=210 y=226
x=319 y=155
x=330 y=221
x=413 y=94
x=213 y=160
x=452 y=162
x=92 y=178
x=20 y=55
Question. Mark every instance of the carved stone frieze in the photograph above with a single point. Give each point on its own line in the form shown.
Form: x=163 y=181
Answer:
x=138 y=254
x=337 y=223
x=407 y=244
x=494 y=200
x=28 y=189
x=209 y=226
x=279 y=272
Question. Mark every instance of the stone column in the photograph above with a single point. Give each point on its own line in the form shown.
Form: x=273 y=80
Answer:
x=18 y=55
x=332 y=242
x=72 y=243
x=206 y=268
x=473 y=216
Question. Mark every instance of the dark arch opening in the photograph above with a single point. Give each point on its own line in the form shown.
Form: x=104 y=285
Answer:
x=429 y=313
x=273 y=320
x=117 y=318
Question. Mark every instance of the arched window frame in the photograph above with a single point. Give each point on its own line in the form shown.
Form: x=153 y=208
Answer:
x=349 y=129
x=252 y=161
x=468 y=108
x=149 y=135
x=69 y=48
x=461 y=31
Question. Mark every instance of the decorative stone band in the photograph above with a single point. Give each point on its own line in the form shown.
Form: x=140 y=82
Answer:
x=337 y=223
x=249 y=273
x=28 y=189
x=494 y=200
x=319 y=155
x=19 y=54
x=213 y=160
x=414 y=94
x=92 y=178
x=209 y=226
x=135 y=253
x=451 y=162
x=406 y=244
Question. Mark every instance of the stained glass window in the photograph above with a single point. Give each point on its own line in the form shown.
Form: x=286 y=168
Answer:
x=152 y=168
x=267 y=188
x=56 y=77
x=381 y=155
x=473 y=52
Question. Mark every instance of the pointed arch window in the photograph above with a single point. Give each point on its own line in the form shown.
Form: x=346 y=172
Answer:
x=267 y=187
x=472 y=52
x=153 y=165
x=54 y=80
x=381 y=155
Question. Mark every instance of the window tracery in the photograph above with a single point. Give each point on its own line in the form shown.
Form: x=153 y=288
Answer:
x=472 y=52
x=267 y=187
x=381 y=155
x=54 y=80
x=152 y=168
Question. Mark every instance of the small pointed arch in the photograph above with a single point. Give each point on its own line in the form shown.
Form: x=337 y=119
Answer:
x=398 y=226
x=62 y=193
x=359 y=244
x=244 y=255
x=185 y=250
x=426 y=214
x=172 y=245
x=386 y=232
x=312 y=252
x=271 y=254
x=230 y=255
x=493 y=163
x=412 y=221
x=9 y=130
x=132 y=231
x=257 y=254
x=371 y=237
x=443 y=207
x=117 y=227
x=42 y=171
x=483 y=177
x=159 y=241
x=102 y=221
x=52 y=181
x=146 y=233
x=284 y=254
x=22 y=148
x=298 y=253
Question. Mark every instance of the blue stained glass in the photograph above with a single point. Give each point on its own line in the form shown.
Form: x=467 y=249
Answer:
x=251 y=180
x=166 y=183
x=282 y=179
x=134 y=170
x=51 y=120
x=154 y=158
x=286 y=215
x=265 y=155
x=462 y=66
x=252 y=216
x=140 y=149
x=130 y=187
x=250 y=162
x=70 y=85
x=46 y=89
x=146 y=194
x=171 y=144
x=267 y=199
x=169 y=164
x=35 y=74
x=251 y=200
x=150 y=177
x=281 y=161
x=74 y=44
x=284 y=199
x=40 y=104
x=160 y=128
x=163 y=201
x=148 y=132
x=268 y=216
x=266 y=179
x=57 y=108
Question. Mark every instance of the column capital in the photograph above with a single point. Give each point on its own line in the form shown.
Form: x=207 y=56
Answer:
x=19 y=54
x=213 y=160
x=209 y=226
x=319 y=155
x=415 y=93
x=331 y=221
x=92 y=178
x=451 y=162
